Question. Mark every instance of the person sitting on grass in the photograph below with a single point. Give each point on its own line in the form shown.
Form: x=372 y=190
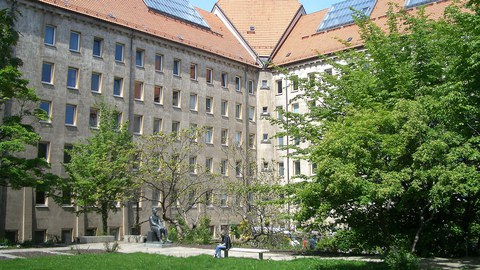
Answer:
x=225 y=245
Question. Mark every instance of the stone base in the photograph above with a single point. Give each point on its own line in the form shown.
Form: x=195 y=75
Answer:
x=96 y=239
x=158 y=244
x=133 y=238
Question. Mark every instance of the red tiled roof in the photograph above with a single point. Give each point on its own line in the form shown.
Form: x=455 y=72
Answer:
x=305 y=43
x=134 y=14
x=270 y=19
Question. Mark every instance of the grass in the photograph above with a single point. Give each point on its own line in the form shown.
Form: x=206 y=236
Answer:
x=142 y=261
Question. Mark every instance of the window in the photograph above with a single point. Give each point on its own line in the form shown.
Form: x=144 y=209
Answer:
x=280 y=141
x=296 y=140
x=251 y=140
x=208 y=198
x=47 y=107
x=265 y=138
x=224 y=137
x=193 y=71
x=119 y=48
x=295 y=107
x=208 y=164
x=175 y=127
x=93 y=118
x=193 y=132
x=193 y=102
x=312 y=76
x=264 y=85
x=49 y=38
x=66 y=156
x=176 y=99
x=266 y=166
x=118 y=120
x=238 y=111
x=40 y=200
x=157 y=125
x=279 y=113
x=224 y=80
x=118 y=87
x=72 y=78
x=209 y=75
x=176 y=67
x=223 y=167
x=223 y=200
x=265 y=111
x=238 y=138
x=209 y=105
x=158 y=94
x=209 y=135
x=279 y=87
x=74 y=41
x=251 y=88
x=47 y=73
x=71 y=115
x=314 y=168
x=95 y=85
x=238 y=84
x=238 y=168
x=295 y=83
x=137 y=124
x=97 y=47
x=139 y=57
x=158 y=62
x=281 y=169
x=296 y=167
x=251 y=113
x=43 y=151
x=138 y=93
x=224 y=108
x=193 y=165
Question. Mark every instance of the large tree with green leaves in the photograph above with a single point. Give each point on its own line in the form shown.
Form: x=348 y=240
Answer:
x=17 y=106
x=395 y=135
x=101 y=169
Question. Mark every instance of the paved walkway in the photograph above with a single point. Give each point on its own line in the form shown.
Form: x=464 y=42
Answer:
x=179 y=251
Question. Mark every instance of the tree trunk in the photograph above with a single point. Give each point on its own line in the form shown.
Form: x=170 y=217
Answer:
x=104 y=218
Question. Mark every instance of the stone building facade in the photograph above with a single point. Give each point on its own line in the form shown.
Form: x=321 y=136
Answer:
x=163 y=73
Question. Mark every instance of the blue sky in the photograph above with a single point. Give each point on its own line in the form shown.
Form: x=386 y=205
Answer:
x=309 y=5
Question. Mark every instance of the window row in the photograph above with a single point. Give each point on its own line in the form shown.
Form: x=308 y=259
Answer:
x=119 y=56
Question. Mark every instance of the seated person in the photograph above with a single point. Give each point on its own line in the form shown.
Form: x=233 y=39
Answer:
x=225 y=245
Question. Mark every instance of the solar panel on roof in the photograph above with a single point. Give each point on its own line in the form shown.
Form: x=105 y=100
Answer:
x=341 y=13
x=181 y=9
x=414 y=3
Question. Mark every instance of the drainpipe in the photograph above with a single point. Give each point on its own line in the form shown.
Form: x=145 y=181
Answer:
x=288 y=151
x=127 y=222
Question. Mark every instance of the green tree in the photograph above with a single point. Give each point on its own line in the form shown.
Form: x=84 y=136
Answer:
x=17 y=103
x=395 y=135
x=169 y=167
x=100 y=170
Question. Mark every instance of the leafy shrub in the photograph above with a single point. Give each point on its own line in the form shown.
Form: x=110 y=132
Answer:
x=200 y=234
x=399 y=259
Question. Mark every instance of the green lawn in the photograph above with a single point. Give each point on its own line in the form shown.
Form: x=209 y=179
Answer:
x=143 y=261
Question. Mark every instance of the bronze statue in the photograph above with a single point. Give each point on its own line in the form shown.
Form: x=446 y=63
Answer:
x=156 y=225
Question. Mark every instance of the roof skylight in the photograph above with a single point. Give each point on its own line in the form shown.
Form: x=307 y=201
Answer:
x=414 y=3
x=181 y=9
x=341 y=14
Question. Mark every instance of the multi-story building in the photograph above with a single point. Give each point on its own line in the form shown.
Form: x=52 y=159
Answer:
x=167 y=66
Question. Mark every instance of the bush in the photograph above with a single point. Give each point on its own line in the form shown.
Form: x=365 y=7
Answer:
x=402 y=260
x=200 y=234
